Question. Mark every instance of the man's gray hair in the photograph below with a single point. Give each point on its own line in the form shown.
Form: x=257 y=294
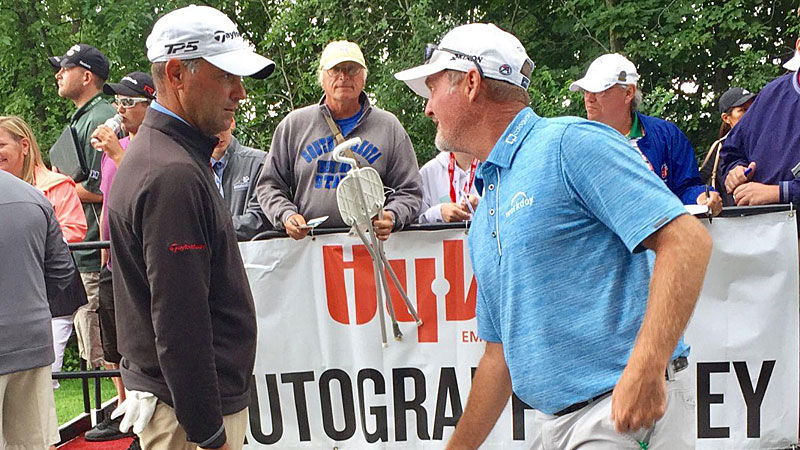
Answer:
x=637 y=96
x=499 y=91
x=159 y=72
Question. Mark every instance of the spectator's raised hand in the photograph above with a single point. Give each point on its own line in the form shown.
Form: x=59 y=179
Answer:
x=296 y=226
x=104 y=139
x=453 y=212
x=737 y=177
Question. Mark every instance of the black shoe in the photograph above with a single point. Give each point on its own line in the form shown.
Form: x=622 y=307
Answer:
x=135 y=444
x=107 y=430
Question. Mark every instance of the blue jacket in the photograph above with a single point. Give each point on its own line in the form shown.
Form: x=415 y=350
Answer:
x=672 y=157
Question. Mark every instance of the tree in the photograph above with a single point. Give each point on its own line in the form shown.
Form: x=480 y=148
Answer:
x=687 y=53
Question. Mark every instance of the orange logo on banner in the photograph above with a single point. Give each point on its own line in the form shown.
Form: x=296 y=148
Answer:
x=458 y=306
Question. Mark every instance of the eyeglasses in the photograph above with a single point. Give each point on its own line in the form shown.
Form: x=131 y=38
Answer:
x=348 y=70
x=130 y=102
x=431 y=48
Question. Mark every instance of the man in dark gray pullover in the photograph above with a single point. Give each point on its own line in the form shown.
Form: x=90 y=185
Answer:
x=189 y=334
x=36 y=263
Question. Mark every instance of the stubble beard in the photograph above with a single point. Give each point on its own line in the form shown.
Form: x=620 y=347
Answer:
x=446 y=144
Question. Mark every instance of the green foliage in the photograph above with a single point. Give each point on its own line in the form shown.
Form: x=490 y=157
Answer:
x=72 y=359
x=687 y=53
x=69 y=397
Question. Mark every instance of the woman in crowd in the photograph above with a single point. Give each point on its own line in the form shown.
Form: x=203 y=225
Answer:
x=732 y=106
x=20 y=156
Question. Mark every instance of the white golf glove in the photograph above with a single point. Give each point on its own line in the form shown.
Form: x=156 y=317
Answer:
x=138 y=408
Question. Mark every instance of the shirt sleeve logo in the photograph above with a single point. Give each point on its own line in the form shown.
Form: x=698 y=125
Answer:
x=177 y=248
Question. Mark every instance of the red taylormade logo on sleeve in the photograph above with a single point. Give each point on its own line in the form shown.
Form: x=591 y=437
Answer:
x=175 y=247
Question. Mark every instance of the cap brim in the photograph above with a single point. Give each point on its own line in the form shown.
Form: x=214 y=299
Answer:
x=590 y=85
x=794 y=63
x=121 y=89
x=336 y=61
x=415 y=77
x=743 y=100
x=55 y=61
x=244 y=63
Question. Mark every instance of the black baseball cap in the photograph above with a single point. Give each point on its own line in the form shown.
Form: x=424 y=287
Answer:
x=734 y=97
x=83 y=55
x=134 y=84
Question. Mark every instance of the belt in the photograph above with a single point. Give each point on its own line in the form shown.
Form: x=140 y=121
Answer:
x=675 y=366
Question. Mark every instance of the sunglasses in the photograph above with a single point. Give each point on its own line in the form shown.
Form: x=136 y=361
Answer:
x=348 y=70
x=431 y=48
x=130 y=102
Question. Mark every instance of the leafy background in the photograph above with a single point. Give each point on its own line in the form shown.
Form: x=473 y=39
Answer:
x=687 y=52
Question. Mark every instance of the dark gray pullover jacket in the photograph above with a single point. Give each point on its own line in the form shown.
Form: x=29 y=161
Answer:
x=185 y=318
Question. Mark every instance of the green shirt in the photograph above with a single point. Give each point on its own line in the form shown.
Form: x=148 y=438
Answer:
x=85 y=120
x=636 y=128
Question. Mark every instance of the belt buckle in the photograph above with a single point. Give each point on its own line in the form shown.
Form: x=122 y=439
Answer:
x=675 y=366
x=670 y=371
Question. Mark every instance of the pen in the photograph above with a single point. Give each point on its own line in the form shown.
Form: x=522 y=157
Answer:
x=708 y=199
x=466 y=200
x=747 y=171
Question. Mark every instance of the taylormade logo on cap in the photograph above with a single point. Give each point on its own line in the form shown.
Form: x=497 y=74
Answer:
x=204 y=32
x=193 y=32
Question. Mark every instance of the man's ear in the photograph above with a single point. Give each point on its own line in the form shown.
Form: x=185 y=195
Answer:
x=175 y=73
x=473 y=84
x=797 y=44
x=88 y=78
x=630 y=93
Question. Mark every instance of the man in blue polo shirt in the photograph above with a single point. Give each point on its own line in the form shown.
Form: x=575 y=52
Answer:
x=576 y=323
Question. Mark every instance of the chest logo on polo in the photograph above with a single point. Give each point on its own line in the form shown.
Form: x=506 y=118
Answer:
x=518 y=201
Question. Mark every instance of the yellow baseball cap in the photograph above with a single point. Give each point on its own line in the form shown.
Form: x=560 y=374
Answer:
x=340 y=51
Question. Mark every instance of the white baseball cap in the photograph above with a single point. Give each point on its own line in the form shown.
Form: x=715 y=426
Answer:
x=794 y=63
x=204 y=32
x=497 y=54
x=606 y=71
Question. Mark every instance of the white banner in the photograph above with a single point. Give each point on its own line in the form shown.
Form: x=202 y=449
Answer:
x=323 y=380
x=744 y=335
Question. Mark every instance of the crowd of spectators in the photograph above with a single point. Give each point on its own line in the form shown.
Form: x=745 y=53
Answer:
x=754 y=161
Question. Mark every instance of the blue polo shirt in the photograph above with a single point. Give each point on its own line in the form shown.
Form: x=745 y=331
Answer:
x=555 y=245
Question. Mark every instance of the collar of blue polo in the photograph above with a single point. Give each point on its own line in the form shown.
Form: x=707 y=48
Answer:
x=506 y=147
